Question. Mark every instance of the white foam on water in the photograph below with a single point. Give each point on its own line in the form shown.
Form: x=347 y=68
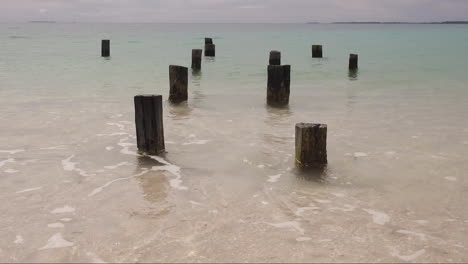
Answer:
x=66 y=220
x=29 y=190
x=346 y=208
x=100 y=189
x=4 y=162
x=264 y=203
x=415 y=255
x=94 y=258
x=302 y=210
x=19 y=240
x=125 y=147
x=171 y=168
x=303 y=239
x=113 y=167
x=61 y=147
x=192 y=136
x=13 y=151
x=452 y=179
x=290 y=225
x=421 y=222
x=261 y=166
x=56 y=225
x=390 y=153
x=196 y=142
x=411 y=233
x=112 y=134
x=57 y=241
x=169 y=142
x=274 y=178
x=11 y=171
x=322 y=201
x=340 y=195
x=360 y=154
x=196 y=203
x=379 y=218
x=63 y=210
x=109 y=148
x=68 y=165
x=120 y=126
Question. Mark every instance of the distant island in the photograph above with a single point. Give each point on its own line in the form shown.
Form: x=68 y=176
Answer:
x=42 y=21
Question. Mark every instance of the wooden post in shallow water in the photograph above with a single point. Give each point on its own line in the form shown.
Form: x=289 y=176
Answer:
x=317 y=51
x=178 y=81
x=105 y=48
x=275 y=57
x=208 y=41
x=353 y=61
x=279 y=80
x=311 y=145
x=149 y=124
x=196 y=59
x=210 y=50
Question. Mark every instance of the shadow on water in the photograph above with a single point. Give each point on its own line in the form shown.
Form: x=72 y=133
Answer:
x=153 y=184
x=278 y=115
x=197 y=77
x=353 y=75
x=179 y=111
x=318 y=175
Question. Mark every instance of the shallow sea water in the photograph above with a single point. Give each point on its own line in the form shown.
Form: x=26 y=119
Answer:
x=73 y=188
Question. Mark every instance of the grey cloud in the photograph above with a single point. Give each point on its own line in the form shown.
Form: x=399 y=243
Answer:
x=232 y=10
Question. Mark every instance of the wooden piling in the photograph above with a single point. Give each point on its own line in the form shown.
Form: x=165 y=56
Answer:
x=275 y=57
x=178 y=81
x=149 y=124
x=353 y=61
x=196 y=59
x=210 y=50
x=105 y=48
x=208 y=41
x=317 y=51
x=279 y=80
x=311 y=145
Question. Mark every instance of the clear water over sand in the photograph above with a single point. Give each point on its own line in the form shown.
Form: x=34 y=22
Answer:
x=73 y=188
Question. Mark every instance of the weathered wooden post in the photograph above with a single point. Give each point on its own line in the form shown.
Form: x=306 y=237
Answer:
x=105 y=48
x=353 y=61
x=178 y=81
x=279 y=80
x=311 y=145
x=196 y=59
x=317 y=51
x=149 y=124
x=275 y=57
x=208 y=41
x=210 y=50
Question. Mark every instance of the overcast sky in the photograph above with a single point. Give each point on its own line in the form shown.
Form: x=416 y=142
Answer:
x=232 y=10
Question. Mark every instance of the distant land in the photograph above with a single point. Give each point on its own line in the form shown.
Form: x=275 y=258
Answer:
x=394 y=23
x=42 y=21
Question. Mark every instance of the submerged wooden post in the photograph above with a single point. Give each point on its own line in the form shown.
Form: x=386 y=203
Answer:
x=279 y=80
x=317 y=51
x=149 y=124
x=178 y=80
x=196 y=59
x=311 y=145
x=275 y=57
x=353 y=61
x=208 y=41
x=210 y=50
x=105 y=48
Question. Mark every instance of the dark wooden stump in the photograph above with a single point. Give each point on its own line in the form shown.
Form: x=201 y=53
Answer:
x=311 y=145
x=105 y=48
x=275 y=57
x=353 y=61
x=317 y=51
x=149 y=124
x=279 y=80
x=210 y=50
x=208 y=41
x=196 y=59
x=178 y=81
